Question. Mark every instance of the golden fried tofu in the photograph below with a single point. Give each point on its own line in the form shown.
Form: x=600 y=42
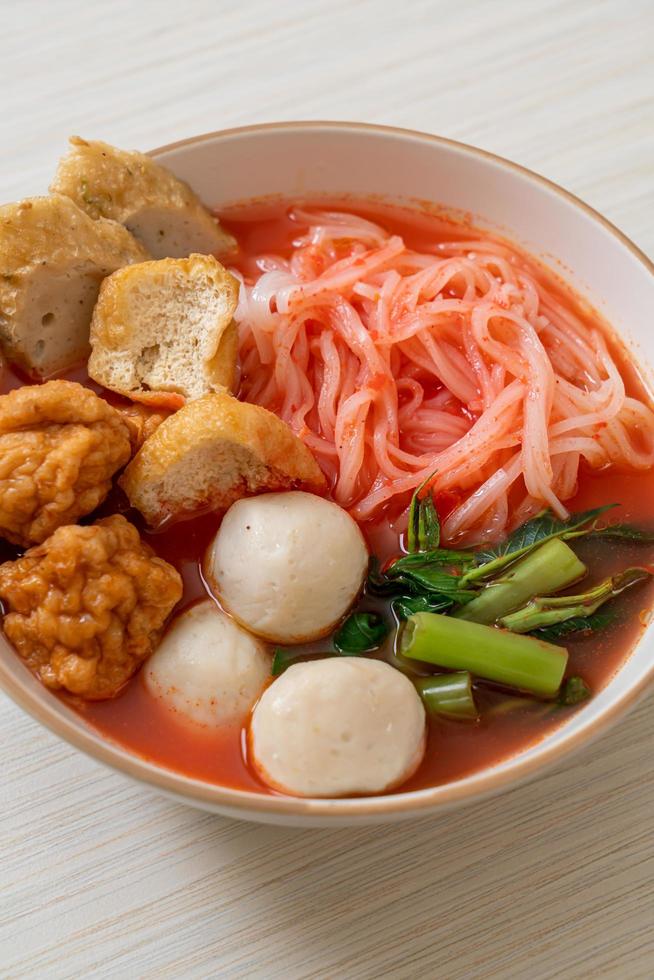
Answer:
x=212 y=452
x=53 y=258
x=60 y=446
x=86 y=607
x=166 y=326
x=129 y=187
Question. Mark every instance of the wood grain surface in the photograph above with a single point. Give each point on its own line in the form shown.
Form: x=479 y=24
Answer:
x=99 y=878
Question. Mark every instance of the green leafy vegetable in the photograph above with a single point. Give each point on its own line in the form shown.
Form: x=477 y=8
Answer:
x=405 y=605
x=419 y=574
x=574 y=691
x=380 y=583
x=424 y=529
x=576 y=624
x=429 y=576
x=547 y=610
x=440 y=583
x=360 y=633
x=283 y=659
x=528 y=536
x=437 y=556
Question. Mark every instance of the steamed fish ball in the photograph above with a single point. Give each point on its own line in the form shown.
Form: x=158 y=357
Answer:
x=207 y=668
x=336 y=727
x=287 y=565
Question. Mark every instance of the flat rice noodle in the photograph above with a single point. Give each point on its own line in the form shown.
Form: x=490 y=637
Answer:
x=395 y=366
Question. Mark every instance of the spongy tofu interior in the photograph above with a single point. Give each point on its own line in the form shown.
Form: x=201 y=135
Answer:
x=166 y=326
x=211 y=452
x=215 y=465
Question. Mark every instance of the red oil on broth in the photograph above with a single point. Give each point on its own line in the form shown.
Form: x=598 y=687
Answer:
x=136 y=720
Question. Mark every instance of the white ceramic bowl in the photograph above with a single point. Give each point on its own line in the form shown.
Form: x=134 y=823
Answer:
x=346 y=158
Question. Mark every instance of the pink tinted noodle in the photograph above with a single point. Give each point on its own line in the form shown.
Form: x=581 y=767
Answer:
x=458 y=364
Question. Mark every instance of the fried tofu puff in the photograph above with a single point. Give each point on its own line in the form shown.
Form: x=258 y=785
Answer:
x=212 y=452
x=166 y=326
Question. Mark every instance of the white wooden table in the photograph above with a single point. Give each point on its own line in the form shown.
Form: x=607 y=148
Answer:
x=98 y=877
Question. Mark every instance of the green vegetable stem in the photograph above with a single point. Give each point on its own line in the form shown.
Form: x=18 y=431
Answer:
x=546 y=611
x=449 y=696
x=549 y=568
x=497 y=655
x=544 y=527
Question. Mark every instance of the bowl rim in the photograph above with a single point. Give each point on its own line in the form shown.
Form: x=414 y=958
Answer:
x=478 y=785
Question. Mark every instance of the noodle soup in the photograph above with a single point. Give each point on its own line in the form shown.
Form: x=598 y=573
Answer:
x=415 y=357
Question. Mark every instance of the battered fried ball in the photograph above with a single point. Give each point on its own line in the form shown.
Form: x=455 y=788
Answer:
x=86 y=607
x=60 y=445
